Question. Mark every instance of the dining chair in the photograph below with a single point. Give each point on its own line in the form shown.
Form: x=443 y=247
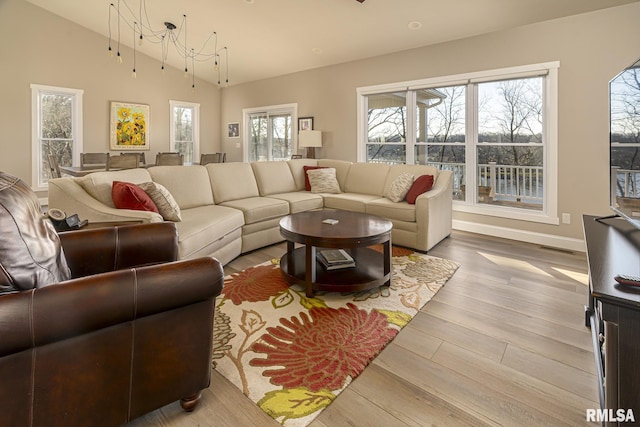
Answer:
x=213 y=158
x=54 y=168
x=141 y=158
x=93 y=159
x=124 y=161
x=169 y=159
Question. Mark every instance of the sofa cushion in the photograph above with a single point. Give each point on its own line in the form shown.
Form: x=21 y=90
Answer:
x=203 y=225
x=164 y=201
x=422 y=184
x=367 y=178
x=399 y=211
x=399 y=187
x=300 y=201
x=256 y=209
x=273 y=177
x=30 y=252
x=348 y=201
x=323 y=181
x=341 y=166
x=98 y=184
x=415 y=170
x=232 y=181
x=130 y=196
x=306 y=169
x=297 y=170
x=189 y=185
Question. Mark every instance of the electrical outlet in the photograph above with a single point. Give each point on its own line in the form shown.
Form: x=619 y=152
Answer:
x=566 y=218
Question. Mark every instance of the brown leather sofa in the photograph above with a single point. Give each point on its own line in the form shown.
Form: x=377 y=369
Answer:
x=127 y=331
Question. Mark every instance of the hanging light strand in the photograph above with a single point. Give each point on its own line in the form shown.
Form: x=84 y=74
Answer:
x=119 y=57
x=133 y=73
x=169 y=35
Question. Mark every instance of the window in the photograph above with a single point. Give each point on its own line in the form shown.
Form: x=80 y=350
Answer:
x=495 y=130
x=56 y=129
x=269 y=132
x=184 y=128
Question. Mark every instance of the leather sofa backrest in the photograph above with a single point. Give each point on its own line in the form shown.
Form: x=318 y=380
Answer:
x=99 y=184
x=189 y=185
x=30 y=251
x=366 y=178
x=232 y=181
x=273 y=177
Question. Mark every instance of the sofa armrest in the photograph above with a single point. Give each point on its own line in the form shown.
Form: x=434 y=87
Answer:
x=93 y=251
x=68 y=195
x=86 y=305
x=434 y=211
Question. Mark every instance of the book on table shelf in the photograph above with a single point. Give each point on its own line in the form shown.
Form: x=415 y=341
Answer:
x=334 y=259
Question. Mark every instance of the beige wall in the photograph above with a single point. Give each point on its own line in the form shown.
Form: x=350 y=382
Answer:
x=41 y=48
x=591 y=48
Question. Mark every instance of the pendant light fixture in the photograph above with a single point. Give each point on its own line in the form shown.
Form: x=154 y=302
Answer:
x=171 y=38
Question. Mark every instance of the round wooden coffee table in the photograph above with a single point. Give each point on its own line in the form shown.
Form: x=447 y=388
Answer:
x=353 y=232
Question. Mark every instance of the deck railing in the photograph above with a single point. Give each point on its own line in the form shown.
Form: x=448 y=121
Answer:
x=627 y=181
x=506 y=182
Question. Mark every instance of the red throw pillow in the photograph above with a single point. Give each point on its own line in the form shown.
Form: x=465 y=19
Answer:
x=307 y=184
x=126 y=195
x=422 y=184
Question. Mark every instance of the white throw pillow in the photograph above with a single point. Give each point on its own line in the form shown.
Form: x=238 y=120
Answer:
x=166 y=204
x=399 y=188
x=323 y=181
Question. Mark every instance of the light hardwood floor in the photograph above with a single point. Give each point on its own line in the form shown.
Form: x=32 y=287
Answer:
x=502 y=343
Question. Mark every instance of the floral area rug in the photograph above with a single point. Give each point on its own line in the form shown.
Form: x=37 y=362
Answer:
x=292 y=355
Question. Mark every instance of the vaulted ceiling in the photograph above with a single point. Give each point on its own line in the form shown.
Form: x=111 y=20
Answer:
x=267 y=38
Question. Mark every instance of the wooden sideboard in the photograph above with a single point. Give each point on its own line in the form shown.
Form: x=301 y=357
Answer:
x=613 y=311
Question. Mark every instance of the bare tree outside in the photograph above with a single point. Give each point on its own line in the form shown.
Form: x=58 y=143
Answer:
x=184 y=141
x=445 y=123
x=270 y=137
x=511 y=114
x=56 y=138
x=625 y=130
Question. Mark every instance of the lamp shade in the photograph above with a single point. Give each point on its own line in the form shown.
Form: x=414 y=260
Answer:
x=310 y=138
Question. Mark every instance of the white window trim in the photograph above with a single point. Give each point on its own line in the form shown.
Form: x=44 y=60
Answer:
x=77 y=120
x=196 y=126
x=550 y=213
x=271 y=109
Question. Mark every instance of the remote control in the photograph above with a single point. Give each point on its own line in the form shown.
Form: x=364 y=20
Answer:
x=626 y=279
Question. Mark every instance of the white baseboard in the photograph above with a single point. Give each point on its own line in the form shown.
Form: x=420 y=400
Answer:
x=551 y=240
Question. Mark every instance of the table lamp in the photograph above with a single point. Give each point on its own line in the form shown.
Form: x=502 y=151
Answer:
x=310 y=139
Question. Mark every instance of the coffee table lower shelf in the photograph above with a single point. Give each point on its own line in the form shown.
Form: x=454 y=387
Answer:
x=367 y=274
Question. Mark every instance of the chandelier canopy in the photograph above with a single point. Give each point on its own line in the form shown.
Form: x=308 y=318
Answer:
x=121 y=17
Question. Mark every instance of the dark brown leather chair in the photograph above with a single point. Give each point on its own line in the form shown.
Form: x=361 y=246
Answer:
x=98 y=326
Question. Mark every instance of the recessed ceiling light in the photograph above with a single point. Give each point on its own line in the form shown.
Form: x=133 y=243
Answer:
x=249 y=1
x=317 y=51
x=414 y=25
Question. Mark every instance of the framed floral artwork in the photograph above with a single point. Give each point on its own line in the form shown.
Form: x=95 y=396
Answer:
x=129 y=126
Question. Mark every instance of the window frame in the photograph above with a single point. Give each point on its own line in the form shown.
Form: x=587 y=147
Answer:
x=549 y=213
x=76 y=129
x=173 y=104
x=269 y=110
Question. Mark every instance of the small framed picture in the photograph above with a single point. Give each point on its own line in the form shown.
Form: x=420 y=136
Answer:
x=305 y=123
x=234 y=130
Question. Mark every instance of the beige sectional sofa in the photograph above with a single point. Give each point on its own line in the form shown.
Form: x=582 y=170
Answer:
x=231 y=208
